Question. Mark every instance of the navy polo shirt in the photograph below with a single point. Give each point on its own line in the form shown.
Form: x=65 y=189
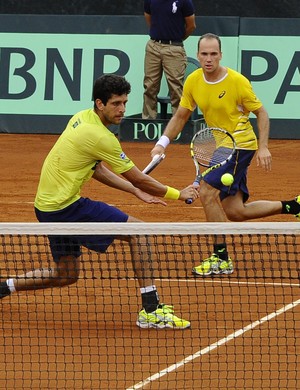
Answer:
x=167 y=18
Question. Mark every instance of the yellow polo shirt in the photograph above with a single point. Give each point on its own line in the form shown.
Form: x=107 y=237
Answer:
x=72 y=160
x=226 y=104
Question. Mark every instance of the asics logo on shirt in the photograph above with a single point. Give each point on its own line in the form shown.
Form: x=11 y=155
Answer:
x=222 y=94
x=174 y=7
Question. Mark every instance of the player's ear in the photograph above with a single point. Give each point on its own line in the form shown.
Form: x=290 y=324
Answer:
x=99 y=104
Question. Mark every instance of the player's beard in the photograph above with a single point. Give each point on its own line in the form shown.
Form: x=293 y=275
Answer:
x=113 y=120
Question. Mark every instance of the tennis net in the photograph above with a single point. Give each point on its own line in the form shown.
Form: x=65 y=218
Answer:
x=244 y=326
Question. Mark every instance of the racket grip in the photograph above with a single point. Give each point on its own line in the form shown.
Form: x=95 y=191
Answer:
x=190 y=200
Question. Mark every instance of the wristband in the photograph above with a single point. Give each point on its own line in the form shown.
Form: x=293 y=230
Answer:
x=163 y=141
x=172 y=193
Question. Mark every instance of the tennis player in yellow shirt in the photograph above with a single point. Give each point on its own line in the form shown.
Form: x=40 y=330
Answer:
x=226 y=99
x=78 y=155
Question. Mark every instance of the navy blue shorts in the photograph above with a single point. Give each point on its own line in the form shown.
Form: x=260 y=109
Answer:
x=83 y=210
x=238 y=167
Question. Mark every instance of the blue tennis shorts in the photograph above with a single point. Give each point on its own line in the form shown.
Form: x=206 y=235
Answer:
x=238 y=167
x=83 y=210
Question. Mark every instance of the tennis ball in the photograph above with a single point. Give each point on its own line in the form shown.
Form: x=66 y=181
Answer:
x=227 y=179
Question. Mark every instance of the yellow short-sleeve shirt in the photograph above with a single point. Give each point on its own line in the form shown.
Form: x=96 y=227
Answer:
x=72 y=160
x=225 y=104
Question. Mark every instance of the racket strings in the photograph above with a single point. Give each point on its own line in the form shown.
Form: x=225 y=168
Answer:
x=203 y=152
x=212 y=147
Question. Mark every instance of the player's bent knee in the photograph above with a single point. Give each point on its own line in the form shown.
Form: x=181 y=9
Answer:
x=66 y=280
x=66 y=277
x=234 y=216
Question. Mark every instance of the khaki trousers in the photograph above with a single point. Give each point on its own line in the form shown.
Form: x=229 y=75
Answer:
x=159 y=58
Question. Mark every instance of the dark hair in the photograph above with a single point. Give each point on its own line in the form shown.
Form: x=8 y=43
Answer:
x=108 y=85
x=210 y=36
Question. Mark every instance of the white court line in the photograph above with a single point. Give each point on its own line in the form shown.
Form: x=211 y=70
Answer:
x=238 y=282
x=213 y=346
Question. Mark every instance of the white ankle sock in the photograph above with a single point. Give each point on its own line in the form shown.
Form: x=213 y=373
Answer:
x=11 y=285
x=147 y=289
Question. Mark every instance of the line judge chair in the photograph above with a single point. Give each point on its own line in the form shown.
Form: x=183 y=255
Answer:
x=164 y=101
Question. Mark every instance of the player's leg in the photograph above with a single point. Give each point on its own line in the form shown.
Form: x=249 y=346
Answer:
x=140 y=248
x=65 y=272
x=237 y=210
x=292 y=207
x=219 y=262
x=212 y=191
x=152 y=79
x=65 y=252
x=153 y=314
x=210 y=199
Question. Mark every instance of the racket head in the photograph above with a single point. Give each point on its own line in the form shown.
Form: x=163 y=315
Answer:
x=212 y=147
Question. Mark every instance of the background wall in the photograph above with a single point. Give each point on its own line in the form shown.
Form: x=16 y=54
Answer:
x=249 y=8
x=48 y=64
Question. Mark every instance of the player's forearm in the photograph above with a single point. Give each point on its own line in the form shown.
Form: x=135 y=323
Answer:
x=149 y=185
x=110 y=179
x=263 y=124
x=144 y=182
x=172 y=130
x=175 y=126
x=135 y=180
x=152 y=187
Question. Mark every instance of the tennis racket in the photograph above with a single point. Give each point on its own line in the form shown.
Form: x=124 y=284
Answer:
x=210 y=148
x=157 y=159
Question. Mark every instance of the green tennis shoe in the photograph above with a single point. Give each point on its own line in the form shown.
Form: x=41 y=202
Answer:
x=214 y=266
x=162 y=317
x=297 y=199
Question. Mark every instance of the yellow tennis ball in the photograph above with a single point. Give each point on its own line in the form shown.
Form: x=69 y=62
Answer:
x=227 y=179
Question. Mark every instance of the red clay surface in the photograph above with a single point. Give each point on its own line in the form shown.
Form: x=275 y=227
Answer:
x=84 y=337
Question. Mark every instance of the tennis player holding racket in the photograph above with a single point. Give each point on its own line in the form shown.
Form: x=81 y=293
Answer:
x=226 y=99
x=82 y=151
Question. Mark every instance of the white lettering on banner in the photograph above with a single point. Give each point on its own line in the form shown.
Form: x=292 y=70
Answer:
x=152 y=131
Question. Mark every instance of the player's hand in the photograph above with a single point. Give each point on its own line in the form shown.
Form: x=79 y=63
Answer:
x=147 y=198
x=264 y=158
x=158 y=149
x=190 y=192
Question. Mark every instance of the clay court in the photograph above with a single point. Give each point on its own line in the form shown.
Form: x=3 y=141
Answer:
x=72 y=338
x=22 y=157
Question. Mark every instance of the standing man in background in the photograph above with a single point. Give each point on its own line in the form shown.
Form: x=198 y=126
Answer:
x=170 y=23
